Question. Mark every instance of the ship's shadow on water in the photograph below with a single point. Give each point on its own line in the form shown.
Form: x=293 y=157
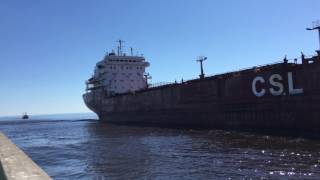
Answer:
x=259 y=132
x=89 y=149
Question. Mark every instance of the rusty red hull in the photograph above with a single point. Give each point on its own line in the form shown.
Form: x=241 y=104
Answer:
x=275 y=98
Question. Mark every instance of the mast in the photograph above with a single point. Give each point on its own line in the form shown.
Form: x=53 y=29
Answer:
x=120 y=47
x=146 y=77
x=201 y=59
x=315 y=26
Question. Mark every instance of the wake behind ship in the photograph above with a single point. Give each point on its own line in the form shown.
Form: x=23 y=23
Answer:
x=279 y=97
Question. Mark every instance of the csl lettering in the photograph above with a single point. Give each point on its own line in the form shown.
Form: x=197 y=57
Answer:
x=254 y=86
x=290 y=85
x=276 y=88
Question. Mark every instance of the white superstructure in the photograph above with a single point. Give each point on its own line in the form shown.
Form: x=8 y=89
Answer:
x=119 y=73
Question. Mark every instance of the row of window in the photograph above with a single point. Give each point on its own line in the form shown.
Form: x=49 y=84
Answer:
x=123 y=74
x=110 y=81
x=127 y=67
x=117 y=60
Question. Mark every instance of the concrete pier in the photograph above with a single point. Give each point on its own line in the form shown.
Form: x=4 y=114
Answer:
x=16 y=165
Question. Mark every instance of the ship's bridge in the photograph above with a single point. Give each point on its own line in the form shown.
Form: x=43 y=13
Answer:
x=119 y=73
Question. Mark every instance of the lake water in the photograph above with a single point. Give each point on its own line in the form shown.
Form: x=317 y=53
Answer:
x=78 y=146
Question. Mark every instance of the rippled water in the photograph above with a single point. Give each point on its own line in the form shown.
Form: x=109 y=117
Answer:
x=67 y=148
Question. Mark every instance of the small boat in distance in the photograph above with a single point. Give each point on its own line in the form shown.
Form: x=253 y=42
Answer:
x=25 y=116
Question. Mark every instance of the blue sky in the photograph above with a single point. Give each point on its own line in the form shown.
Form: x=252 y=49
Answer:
x=49 y=48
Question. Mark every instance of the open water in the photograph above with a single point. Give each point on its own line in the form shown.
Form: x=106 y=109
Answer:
x=79 y=147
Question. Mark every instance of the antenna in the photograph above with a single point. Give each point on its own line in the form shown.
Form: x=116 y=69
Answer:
x=120 y=47
x=315 y=26
x=201 y=59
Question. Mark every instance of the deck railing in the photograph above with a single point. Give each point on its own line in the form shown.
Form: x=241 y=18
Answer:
x=294 y=60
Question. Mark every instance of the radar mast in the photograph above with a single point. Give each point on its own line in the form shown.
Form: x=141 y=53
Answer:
x=121 y=42
x=315 y=26
x=201 y=59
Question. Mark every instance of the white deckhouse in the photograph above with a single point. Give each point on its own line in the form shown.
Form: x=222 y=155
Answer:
x=119 y=73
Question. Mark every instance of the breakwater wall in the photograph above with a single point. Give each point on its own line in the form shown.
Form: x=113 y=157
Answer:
x=16 y=165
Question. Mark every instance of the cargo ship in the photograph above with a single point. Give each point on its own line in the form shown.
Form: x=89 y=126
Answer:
x=278 y=97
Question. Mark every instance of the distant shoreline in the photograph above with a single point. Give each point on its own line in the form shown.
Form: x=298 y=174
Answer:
x=71 y=116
